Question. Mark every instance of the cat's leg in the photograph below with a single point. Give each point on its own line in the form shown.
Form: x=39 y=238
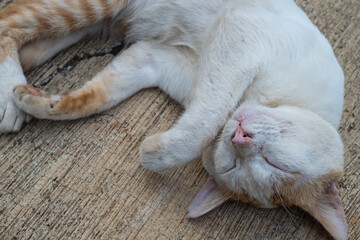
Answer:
x=227 y=66
x=23 y=21
x=39 y=51
x=140 y=66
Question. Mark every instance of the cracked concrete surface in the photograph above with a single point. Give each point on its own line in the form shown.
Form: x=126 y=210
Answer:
x=75 y=60
x=82 y=179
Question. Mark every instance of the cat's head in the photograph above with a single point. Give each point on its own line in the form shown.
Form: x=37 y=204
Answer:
x=271 y=157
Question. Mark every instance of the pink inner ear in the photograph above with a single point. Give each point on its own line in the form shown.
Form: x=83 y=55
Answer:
x=330 y=212
x=209 y=197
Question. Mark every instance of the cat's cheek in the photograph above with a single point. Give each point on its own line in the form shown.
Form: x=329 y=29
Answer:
x=224 y=160
x=208 y=160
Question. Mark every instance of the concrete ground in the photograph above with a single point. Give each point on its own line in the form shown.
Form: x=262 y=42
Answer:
x=83 y=180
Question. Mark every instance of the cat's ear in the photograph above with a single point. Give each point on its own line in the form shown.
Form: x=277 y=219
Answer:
x=328 y=210
x=209 y=197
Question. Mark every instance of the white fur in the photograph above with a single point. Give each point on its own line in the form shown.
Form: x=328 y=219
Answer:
x=261 y=51
x=266 y=52
x=211 y=56
x=296 y=140
x=11 y=118
x=221 y=60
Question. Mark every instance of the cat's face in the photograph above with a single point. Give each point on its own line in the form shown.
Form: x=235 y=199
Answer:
x=270 y=157
x=263 y=150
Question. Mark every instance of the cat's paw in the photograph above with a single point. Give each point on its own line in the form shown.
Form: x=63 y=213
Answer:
x=11 y=117
x=156 y=155
x=32 y=100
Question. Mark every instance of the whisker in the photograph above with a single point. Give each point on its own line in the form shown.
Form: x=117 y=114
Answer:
x=284 y=204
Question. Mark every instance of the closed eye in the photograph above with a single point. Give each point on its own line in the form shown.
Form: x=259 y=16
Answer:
x=282 y=168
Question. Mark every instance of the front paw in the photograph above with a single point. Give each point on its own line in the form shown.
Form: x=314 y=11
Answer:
x=32 y=100
x=11 y=117
x=156 y=154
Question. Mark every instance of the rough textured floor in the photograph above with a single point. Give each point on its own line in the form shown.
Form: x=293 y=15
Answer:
x=83 y=180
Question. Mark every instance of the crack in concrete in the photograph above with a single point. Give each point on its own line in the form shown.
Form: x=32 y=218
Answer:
x=72 y=63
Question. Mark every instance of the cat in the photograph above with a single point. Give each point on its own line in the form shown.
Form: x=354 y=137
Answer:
x=261 y=87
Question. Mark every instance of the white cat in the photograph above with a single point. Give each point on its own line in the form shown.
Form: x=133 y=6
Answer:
x=258 y=71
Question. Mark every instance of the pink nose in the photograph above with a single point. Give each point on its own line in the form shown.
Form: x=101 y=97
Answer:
x=240 y=136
